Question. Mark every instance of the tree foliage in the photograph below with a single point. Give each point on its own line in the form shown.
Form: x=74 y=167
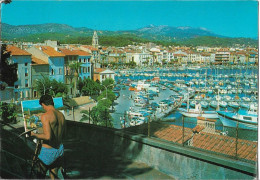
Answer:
x=88 y=87
x=8 y=72
x=8 y=112
x=52 y=87
x=217 y=41
x=100 y=113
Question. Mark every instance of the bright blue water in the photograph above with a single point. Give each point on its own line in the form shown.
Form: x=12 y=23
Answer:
x=192 y=122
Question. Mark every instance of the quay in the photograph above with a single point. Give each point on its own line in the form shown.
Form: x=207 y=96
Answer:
x=169 y=110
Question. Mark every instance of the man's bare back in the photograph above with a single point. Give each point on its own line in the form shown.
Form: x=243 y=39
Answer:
x=56 y=121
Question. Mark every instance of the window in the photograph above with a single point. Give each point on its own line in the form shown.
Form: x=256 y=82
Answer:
x=34 y=93
x=26 y=83
x=84 y=60
x=26 y=72
x=247 y=118
x=79 y=59
x=52 y=71
x=16 y=86
x=88 y=69
x=60 y=70
x=25 y=64
x=26 y=94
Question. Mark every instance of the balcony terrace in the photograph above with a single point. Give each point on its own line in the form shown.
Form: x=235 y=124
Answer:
x=163 y=152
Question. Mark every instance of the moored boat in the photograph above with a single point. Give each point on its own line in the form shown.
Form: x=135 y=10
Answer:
x=197 y=113
x=233 y=104
x=245 y=119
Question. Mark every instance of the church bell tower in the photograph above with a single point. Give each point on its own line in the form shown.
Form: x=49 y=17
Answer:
x=95 y=40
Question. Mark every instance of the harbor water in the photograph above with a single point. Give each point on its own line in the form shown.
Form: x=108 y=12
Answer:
x=236 y=81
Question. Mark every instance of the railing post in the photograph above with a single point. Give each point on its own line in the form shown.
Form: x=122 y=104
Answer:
x=73 y=113
x=124 y=119
x=149 y=125
x=106 y=116
x=89 y=115
x=236 y=140
x=182 y=130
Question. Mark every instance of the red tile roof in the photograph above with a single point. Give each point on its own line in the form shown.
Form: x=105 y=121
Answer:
x=15 y=51
x=226 y=145
x=98 y=70
x=36 y=61
x=81 y=53
x=89 y=47
x=197 y=129
x=50 y=51
x=173 y=133
x=206 y=141
x=67 y=52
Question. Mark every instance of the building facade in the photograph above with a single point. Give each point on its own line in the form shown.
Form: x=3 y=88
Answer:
x=22 y=87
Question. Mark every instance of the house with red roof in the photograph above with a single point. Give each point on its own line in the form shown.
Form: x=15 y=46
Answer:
x=95 y=53
x=102 y=74
x=39 y=69
x=53 y=57
x=180 y=57
x=22 y=87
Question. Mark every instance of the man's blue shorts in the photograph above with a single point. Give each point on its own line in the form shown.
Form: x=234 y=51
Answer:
x=49 y=155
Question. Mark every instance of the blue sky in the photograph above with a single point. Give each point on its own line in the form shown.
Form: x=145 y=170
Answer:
x=228 y=18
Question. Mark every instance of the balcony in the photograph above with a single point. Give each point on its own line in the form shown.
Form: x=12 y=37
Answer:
x=95 y=152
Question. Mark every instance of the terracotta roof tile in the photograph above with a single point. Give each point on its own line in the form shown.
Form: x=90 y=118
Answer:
x=173 y=133
x=226 y=145
x=67 y=52
x=15 y=51
x=98 y=70
x=89 y=47
x=51 y=51
x=197 y=129
x=81 y=53
x=36 y=61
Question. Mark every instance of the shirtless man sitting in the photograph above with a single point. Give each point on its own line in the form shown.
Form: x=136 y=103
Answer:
x=54 y=126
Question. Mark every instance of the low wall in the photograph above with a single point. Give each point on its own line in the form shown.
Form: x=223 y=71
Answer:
x=173 y=160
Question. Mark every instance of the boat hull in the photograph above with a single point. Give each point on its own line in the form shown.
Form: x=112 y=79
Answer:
x=231 y=122
x=206 y=114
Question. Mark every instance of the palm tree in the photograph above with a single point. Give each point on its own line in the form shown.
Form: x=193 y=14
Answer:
x=75 y=66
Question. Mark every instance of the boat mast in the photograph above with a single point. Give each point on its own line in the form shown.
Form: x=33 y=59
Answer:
x=218 y=102
x=188 y=102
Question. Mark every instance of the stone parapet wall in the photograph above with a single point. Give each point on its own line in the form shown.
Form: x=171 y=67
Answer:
x=174 y=160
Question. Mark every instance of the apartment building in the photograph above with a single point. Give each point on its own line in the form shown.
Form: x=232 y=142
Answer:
x=101 y=74
x=22 y=87
x=222 y=56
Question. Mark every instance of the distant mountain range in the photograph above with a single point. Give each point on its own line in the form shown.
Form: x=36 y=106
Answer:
x=64 y=33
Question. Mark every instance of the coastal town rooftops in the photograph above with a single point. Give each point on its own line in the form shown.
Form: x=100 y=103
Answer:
x=196 y=138
x=226 y=145
x=99 y=70
x=50 y=51
x=89 y=47
x=37 y=61
x=155 y=50
x=15 y=51
x=81 y=53
x=103 y=71
x=67 y=52
x=205 y=54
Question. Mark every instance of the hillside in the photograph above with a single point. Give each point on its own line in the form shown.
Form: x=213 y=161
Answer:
x=165 y=35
